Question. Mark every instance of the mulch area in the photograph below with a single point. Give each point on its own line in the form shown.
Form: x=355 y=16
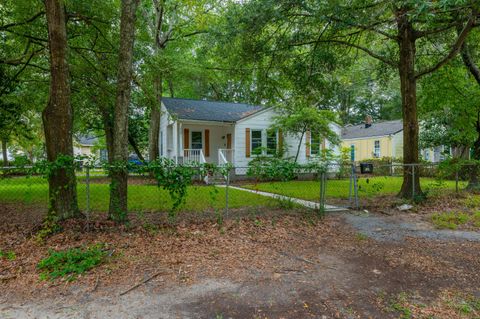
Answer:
x=248 y=243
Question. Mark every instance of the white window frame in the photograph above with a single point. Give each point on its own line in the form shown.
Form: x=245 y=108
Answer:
x=191 y=140
x=252 y=149
x=318 y=151
x=376 y=150
x=266 y=142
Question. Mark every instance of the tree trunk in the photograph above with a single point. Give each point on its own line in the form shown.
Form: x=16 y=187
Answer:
x=135 y=148
x=107 y=119
x=4 y=152
x=58 y=116
x=474 y=181
x=300 y=145
x=118 y=171
x=408 y=85
x=154 y=128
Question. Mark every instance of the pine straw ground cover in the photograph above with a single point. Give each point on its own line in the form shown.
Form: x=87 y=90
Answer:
x=334 y=271
x=450 y=210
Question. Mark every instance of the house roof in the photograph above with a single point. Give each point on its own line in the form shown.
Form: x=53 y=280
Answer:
x=202 y=110
x=87 y=140
x=377 y=129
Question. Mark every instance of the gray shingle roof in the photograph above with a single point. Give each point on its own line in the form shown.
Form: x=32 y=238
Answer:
x=377 y=129
x=187 y=109
x=87 y=140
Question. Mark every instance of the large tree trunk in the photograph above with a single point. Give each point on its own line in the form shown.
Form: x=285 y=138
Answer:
x=107 y=119
x=154 y=128
x=474 y=181
x=408 y=85
x=4 y=152
x=118 y=171
x=58 y=116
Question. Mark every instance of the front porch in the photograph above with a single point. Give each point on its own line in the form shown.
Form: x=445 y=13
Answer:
x=198 y=142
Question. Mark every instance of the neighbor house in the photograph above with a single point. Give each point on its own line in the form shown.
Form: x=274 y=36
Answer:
x=84 y=145
x=220 y=132
x=371 y=140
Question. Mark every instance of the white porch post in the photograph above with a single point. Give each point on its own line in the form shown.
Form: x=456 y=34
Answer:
x=175 y=141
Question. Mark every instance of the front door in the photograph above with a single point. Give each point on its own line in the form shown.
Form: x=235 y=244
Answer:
x=229 y=141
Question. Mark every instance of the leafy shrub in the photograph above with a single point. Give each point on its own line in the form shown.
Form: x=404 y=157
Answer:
x=449 y=220
x=173 y=178
x=272 y=168
x=70 y=263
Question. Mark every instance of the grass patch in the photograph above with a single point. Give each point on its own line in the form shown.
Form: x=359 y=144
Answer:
x=361 y=237
x=8 y=255
x=141 y=197
x=71 y=262
x=449 y=220
x=367 y=187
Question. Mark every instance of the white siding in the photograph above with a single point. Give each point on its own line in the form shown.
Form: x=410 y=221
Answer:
x=260 y=121
x=397 y=145
x=263 y=121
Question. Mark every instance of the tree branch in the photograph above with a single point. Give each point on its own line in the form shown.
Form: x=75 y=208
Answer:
x=29 y=20
x=352 y=45
x=468 y=61
x=455 y=49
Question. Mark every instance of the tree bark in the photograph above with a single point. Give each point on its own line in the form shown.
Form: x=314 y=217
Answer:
x=474 y=181
x=408 y=86
x=154 y=128
x=58 y=116
x=300 y=145
x=135 y=148
x=118 y=172
x=4 y=152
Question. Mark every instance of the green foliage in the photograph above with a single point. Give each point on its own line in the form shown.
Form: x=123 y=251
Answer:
x=449 y=220
x=71 y=262
x=50 y=226
x=174 y=178
x=9 y=255
x=272 y=168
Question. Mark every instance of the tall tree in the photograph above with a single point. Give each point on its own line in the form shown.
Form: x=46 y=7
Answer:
x=119 y=173
x=398 y=34
x=167 y=21
x=58 y=117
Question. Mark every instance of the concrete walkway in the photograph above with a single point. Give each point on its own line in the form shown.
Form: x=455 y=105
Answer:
x=303 y=202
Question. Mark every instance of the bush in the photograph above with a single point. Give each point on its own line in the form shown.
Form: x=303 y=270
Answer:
x=272 y=168
x=71 y=262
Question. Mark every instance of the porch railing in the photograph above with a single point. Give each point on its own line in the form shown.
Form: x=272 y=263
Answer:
x=191 y=156
x=225 y=156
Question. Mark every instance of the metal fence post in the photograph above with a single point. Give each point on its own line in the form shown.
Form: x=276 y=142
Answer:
x=355 y=187
x=321 y=204
x=227 y=181
x=350 y=185
x=87 y=186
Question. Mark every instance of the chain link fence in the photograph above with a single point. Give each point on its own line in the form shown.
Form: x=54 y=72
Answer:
x=328 y=187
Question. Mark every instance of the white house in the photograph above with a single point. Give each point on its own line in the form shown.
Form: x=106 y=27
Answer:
x=220 y=132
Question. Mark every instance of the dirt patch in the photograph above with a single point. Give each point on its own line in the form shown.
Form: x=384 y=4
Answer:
x=270 y=264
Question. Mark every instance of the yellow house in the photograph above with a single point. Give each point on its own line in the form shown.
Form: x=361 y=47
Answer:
x=374 y=140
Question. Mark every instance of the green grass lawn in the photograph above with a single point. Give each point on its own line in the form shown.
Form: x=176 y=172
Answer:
x=367 y=187
x=34 y=190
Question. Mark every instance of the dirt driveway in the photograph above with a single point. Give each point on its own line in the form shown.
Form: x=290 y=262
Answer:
x=343 y=266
